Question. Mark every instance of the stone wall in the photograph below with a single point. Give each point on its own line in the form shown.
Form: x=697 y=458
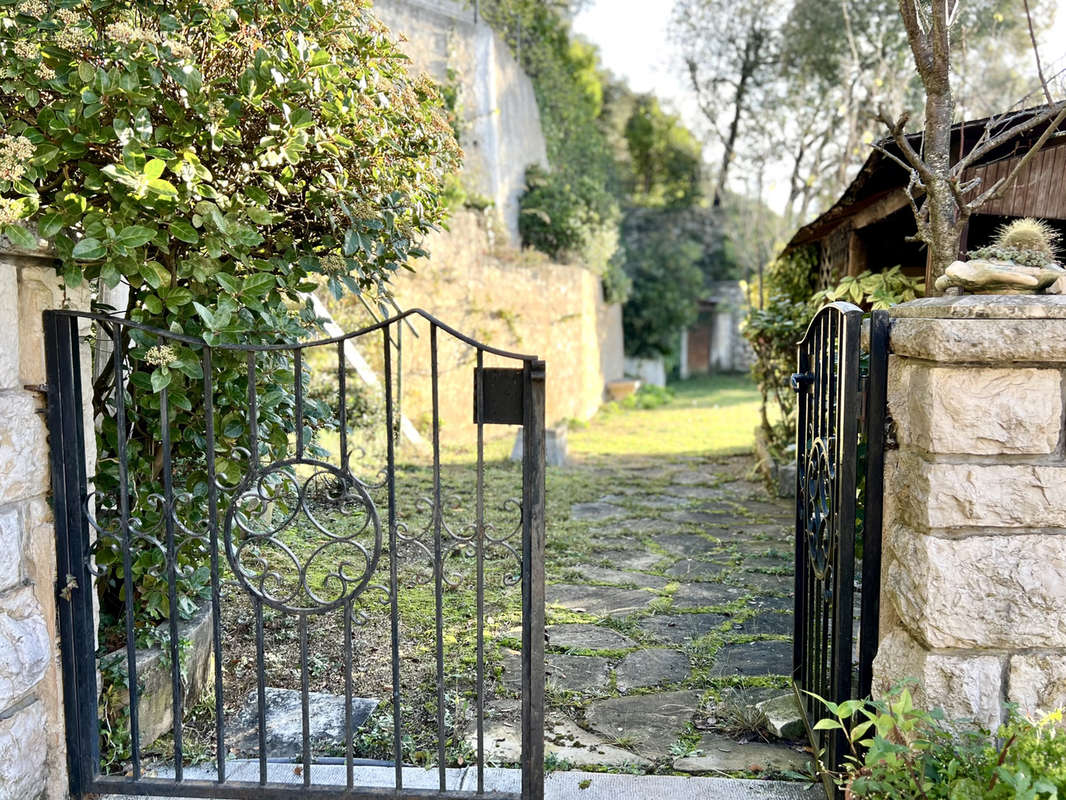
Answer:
x=973 y=591
x=500 y=122
x=32 y=749
x=514 y=300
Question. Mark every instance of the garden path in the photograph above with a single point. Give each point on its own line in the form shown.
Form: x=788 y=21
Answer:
x=669 y=618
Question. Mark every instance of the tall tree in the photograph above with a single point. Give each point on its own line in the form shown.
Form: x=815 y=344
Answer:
x=940 y=197
x=730 y=50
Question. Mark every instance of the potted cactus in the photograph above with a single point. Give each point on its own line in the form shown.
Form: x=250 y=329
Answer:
x=1023 y=259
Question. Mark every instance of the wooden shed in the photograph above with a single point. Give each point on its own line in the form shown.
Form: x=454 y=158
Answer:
x=869 y=227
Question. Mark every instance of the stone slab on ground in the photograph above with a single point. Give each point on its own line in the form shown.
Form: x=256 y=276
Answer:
x=681 y=628
x=760 y=582
x=651 y=721
x=653 y=667
x=724 y=517
x=628 y=559
x=694 y=569
x=600 y=601
x=576 y=673
x=583 y=636
x=784 y=719
x=768 y=623
x=557 y=786
x=686 y=544
x=704 y=595
x=620 y=577
x=701 y=493
x=284 y=722
x=754 y=658
x=562 y=736
x=595 y=511
x=722 y=754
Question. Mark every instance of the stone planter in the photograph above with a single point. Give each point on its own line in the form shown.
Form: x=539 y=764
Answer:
x=554 y=446
x=153 y=674
x=651 y=371
x=621 y=389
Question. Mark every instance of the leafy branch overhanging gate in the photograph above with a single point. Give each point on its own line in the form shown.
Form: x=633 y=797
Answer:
x=841 y=412
x=246 y=547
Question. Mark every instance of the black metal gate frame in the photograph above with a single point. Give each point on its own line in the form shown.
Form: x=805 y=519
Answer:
x=75 y=588
x=836 y=401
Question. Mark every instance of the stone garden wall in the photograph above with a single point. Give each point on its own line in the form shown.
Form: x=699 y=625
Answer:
x=973 y=594
x=32 y=751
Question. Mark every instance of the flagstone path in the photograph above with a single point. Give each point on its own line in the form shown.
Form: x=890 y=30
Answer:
x=669 y=617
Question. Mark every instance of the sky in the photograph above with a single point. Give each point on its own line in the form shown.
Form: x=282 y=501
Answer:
x=632 y=39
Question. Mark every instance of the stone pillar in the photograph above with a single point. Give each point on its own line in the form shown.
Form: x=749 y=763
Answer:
x=973 y=590
x=32 y=746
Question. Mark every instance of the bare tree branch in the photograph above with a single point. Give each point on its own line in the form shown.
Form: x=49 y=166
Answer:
x=1036 y=53
x=1004 y=136
x=896 y=129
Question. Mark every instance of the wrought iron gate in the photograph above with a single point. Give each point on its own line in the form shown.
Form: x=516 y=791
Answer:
x=841 y=405
x=286 y=533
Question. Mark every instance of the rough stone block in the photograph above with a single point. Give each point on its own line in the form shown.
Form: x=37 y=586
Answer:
x=23 y=448
x=23 y=751
x=1005 y=592
x=966 y=687
x=9 y=311
x=1037 y=683
x=938 y=495
x=10 y=548
x=981 y=341
x=975 y=410
x=24 y=646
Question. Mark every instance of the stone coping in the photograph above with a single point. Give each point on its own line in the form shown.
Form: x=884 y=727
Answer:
x=984 y=306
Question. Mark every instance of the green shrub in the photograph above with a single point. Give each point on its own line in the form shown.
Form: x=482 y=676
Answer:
x=899 y=752
x=222 y=158
x=877 y=290
x=569 y=216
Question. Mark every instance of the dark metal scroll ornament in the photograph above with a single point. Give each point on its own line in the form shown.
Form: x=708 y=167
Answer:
x=819 y=473
x=318 y=503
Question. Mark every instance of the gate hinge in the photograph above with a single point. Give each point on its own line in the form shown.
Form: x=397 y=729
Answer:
x=801 y=381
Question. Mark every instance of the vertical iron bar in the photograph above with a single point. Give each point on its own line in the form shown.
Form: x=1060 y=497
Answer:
x=172 y=584
x=74 y=592
x=399 y=379
x=876 y=399
x=117 y=353
x=298 y=381
x=533 y=476
x=438 y=557
x=260 y=682
x=480 y=525
x=394 y=581
x=216 y=595
x=305 y=700
x=342 y=413
x=799 y=620
x=253 y=418
x=349 y=763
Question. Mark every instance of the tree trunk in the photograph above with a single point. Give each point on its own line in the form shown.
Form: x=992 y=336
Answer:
x=942 y=232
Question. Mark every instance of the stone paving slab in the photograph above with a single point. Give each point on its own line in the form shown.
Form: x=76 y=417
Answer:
x=754 y=658
x=702 y=595
x=576 y=673
x=595 y=511
x=696 y=569
x=651 y=721
x=722 y=754
x=587 y=637
x=621 y=577
x=686 y=544
x=681 y=628
x=600 y=601
x=558 y=785
x=768 y=623
x=629 y=559
x=653 y=667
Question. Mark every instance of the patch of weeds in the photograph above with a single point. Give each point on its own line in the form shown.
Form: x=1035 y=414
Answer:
x=685 y=746
x=554 y=763
x=738 y=718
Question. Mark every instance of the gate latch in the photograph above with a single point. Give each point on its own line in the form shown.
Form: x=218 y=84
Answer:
x=800 y=381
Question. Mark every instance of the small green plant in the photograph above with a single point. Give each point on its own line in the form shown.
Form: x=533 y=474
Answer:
x=686 y=744
x=648 y=397
x=876 y=289
x=901 y=752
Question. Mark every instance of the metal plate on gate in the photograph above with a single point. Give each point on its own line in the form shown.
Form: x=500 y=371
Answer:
x=501 y=396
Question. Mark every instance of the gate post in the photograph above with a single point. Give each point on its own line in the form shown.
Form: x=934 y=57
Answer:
x=533 y=473
x=973 y=595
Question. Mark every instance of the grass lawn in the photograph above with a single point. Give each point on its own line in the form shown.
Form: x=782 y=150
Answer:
x=709 y=416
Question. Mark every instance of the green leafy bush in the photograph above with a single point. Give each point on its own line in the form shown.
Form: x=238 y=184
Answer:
x=877 y=290
x=900 y=752
x=569 y=216
x=221 y=157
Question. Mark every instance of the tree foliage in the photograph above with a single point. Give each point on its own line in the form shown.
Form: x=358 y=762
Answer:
x=220 y=158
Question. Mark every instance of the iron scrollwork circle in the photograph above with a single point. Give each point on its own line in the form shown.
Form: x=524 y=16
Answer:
x=270 y=502
x=819 y=472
